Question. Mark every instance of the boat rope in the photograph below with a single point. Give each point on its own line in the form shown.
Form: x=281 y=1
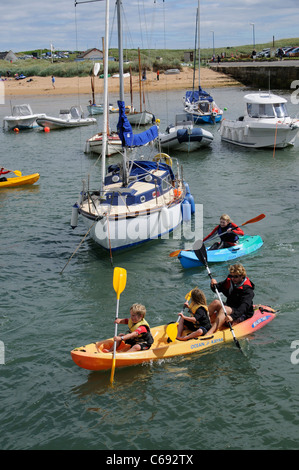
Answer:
x=274 y=148
x=78 y=247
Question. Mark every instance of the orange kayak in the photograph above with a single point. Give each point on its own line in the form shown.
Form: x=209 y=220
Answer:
x=19 y=181
x=92 y=357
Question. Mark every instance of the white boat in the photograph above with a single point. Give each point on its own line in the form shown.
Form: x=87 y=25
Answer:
x=184 y=136
x=266 y=123
x=199 y=102
x=141 y=117
x=67 y=118
x=95 y=144
x=138 y=199
x=94 y=109
x=22 y=117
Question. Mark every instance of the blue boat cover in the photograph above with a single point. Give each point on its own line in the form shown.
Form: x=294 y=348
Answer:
x=183 y=135
x=197 y=95
x=125 y=131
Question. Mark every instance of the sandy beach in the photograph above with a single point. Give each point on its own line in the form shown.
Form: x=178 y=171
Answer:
x=67 y=86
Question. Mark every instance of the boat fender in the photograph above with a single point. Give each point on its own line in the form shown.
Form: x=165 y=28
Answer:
x=186 y=210
x=190 y=199
x=74 y=219
x=187 y=188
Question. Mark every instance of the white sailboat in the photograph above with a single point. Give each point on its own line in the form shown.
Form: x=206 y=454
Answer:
x=141 y=117
x=139 y=199
x=199 y=102
x=94 y=108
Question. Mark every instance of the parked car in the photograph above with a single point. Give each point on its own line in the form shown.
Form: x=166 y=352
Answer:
x=294 y=52
x=288 y=50
x=264 y=53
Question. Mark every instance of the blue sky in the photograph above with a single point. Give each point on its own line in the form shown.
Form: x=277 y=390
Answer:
x=155 y=24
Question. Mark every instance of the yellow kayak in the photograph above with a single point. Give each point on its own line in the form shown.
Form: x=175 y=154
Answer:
x=19 y=180
x=93 y=356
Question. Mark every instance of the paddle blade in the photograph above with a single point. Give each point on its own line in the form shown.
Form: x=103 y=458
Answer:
x=112 y=371
x=255 y=219
x=172 y=331
x=200 y=251
x=175 y=253
x=17 y=173
x=119 y=280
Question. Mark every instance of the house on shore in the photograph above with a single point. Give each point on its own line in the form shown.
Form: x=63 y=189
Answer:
x=9 y=56
x=90 y=54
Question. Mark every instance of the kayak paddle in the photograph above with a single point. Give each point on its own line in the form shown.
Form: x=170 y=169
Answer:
x=119 y=284
x=201 y=253
x=16 y=172
x=172 y=328
x=250 y=221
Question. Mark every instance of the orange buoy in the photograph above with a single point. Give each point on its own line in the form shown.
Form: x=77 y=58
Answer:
x=47 y=129
x=17 y=130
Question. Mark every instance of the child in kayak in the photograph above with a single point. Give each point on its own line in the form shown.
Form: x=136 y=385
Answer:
x=198 y=321
x=139 y=336
x=230 y=233
x=238 y=290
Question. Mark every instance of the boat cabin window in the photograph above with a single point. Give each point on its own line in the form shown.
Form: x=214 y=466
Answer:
x=281 y=110
x=256 y=110
x=204 y=106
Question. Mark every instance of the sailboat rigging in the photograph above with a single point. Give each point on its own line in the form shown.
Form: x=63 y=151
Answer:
x=139 y=199
x=199 y=102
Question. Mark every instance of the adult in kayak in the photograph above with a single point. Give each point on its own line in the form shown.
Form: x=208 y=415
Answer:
x=239 y=293
x=3 y=171
x=139 y=336
x=228 y=232
x=198 y=320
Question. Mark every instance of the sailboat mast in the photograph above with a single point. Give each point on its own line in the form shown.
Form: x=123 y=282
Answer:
x=105 y=114
x=120 y=52
x=198 y=14
x=121 y=80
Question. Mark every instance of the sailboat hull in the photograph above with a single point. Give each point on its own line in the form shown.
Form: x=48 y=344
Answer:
x=113 y=233
x=140 y=119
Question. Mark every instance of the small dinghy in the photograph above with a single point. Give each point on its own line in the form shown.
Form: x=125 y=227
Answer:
x=72 y=117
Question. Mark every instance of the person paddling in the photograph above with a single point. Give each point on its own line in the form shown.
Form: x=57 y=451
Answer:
x=3 y=171
x=239 y=293
x=228 y=232
x=139 y=336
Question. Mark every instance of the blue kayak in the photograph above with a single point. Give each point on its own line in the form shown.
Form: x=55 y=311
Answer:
x=247 y=244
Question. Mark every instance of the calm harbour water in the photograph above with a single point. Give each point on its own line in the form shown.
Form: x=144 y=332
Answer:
x=217 y=400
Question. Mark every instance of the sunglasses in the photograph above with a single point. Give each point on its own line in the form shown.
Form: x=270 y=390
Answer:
x=233 y=276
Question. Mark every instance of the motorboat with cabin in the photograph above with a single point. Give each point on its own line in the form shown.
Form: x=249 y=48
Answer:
x=21 y=117
x=266 y=123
